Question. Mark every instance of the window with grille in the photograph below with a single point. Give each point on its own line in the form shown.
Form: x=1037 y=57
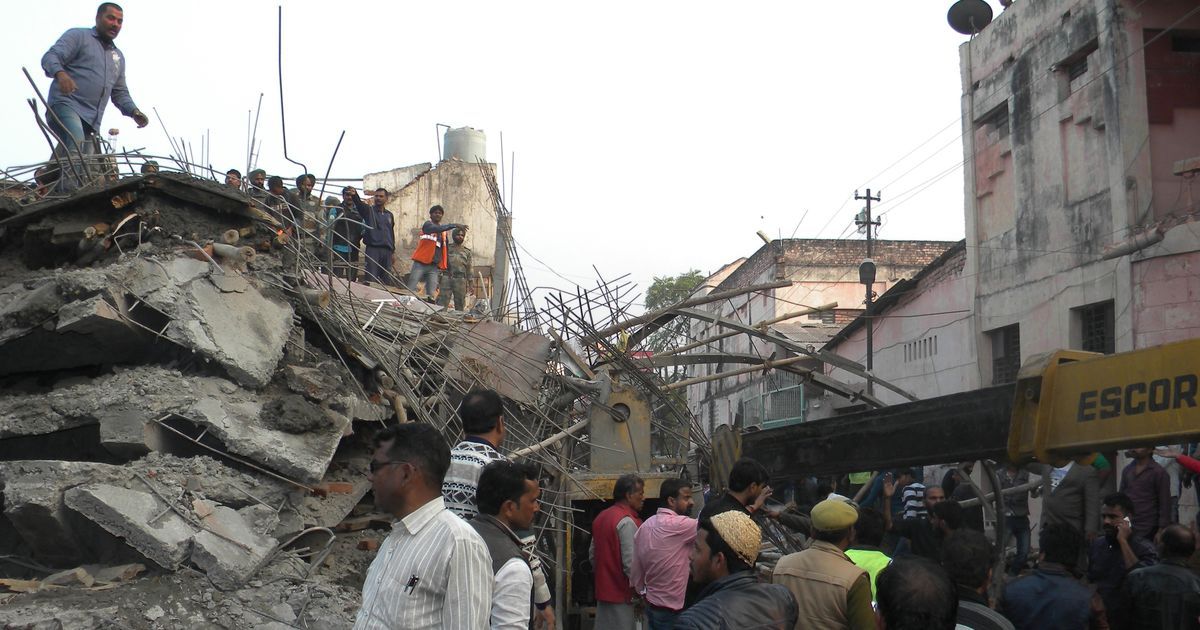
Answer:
x=1006 y=354
x=1096 y=324
x=995 y=122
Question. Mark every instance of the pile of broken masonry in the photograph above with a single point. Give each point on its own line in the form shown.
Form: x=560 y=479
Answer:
x=181 y=431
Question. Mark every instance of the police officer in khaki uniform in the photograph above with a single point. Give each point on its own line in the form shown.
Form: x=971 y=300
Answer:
x=457 y=274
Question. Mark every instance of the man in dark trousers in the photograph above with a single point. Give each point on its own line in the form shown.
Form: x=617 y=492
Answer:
x=612 y=549
x=88 y=71
x=508 y=502
x=345 y=231
x=379 y=238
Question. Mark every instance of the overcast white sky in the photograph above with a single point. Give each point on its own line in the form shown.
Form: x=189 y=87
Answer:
x=650 y=137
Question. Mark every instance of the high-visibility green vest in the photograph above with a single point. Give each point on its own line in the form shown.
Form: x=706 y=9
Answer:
x=872 y=561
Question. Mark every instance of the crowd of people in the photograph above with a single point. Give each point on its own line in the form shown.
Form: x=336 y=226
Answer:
x=461 y=554
x=341 y=233
x=89 y=71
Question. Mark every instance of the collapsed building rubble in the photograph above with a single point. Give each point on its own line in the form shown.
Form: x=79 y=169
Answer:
x=185 y=388
x=181 y=387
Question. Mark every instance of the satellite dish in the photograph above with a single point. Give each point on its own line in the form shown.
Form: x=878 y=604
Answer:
x=969 y=16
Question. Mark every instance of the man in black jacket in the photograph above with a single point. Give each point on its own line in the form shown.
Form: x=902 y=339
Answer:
x=1166 y=595
x=345 y=230
x=379 y=237
x=723 y=561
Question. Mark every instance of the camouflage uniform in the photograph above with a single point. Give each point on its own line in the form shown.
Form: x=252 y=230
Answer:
x=456 y=277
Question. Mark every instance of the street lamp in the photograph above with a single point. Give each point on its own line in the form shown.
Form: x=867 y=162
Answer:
x=866 y=275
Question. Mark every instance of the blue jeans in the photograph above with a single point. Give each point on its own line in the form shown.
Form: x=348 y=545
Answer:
x=72 y=134
x=72 y=130
x=660 y=618
x=1018 y=527
x=429 y=273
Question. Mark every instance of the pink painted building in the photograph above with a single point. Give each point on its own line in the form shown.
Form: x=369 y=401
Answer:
x=1078 y=120
x=1081 y=132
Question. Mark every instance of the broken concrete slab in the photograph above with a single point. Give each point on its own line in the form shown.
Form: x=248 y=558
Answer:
x=318 y=384
x=242 y=420
x=244 y=332
x=500 y=357
x=245 y=428
x=139 y=518
x=227 y=563
x=92 y=317
x=33 y=503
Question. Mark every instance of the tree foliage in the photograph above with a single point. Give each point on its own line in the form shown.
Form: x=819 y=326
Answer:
x=667 y=290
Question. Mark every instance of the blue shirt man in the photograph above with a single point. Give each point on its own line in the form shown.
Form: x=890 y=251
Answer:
x=88 y=71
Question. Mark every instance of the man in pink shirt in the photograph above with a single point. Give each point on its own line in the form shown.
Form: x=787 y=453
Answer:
x=660 y=559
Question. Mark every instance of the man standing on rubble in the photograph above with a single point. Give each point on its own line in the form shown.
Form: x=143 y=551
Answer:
x=458 y=272
x=233 y=178
x=88 y=71
x=345 y=230
x=257 y=181
x=431 y=255
x=611 y=553
x=660 y=560
x=303 y=198
x=433 y=570
x=379 y=237
x=508 y=503
x=482 y=415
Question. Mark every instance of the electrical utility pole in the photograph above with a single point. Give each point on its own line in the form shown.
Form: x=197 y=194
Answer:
x=866 y=275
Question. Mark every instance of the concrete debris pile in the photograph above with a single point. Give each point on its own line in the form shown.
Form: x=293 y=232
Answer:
x=184 y=405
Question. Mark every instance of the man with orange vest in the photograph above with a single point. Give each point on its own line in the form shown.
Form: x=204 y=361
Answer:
x=612 y=551
x=431 y=256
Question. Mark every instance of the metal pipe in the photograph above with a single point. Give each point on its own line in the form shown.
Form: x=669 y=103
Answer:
x=761 y=326
x=707 y=299
x=46 y=131
x=766 y=365
x=282 y=117
x=554 y=439
x=50 y=112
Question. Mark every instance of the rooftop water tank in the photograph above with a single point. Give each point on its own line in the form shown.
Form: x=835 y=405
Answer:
x=466 y=144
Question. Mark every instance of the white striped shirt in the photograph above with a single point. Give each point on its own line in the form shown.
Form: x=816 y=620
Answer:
x=432 y=572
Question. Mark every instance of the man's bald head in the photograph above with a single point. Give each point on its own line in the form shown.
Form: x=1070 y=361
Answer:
x=1176 y=541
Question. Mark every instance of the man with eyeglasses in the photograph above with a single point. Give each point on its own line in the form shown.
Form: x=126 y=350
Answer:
x=433 y=570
